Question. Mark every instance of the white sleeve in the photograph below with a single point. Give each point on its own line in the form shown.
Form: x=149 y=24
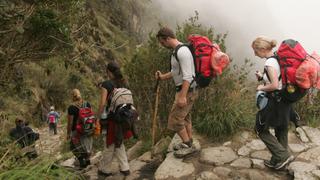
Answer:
x=272 y=62
x=186 y=63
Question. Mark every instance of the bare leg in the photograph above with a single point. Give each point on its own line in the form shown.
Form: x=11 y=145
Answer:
x=189 y=130
x=184 y=135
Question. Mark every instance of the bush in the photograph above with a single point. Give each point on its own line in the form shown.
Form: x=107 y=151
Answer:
x=44 y=21
x=309 y=109
x=227 y=105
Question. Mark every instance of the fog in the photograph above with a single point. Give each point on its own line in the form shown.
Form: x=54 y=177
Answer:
x=246 y=19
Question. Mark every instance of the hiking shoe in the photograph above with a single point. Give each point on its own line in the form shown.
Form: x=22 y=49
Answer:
x=283 y=163
x=185 y=151
x=269 y=164
x=179 y=146
x=101 y=173
x=125 y=173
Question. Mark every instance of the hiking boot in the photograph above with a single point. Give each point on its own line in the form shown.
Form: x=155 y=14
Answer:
x=88 y=162
x=283 y=163
x=101 y=173
x=83 y=163
x=269 y=164
x=125 y=173
x=183 y=145
x=179 y=146
x=185 y=151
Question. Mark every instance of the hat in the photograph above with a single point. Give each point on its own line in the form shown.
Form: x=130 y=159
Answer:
x=51 y=108
x=261 y=99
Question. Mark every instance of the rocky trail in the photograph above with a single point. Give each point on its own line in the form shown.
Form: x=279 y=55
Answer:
x=48 y=142
x=142 y=167
x=240 y=158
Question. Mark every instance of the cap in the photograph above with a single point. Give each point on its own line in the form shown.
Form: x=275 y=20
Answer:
x=51 y=108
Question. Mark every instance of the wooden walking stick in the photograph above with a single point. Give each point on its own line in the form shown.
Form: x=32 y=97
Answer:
x=155 y=112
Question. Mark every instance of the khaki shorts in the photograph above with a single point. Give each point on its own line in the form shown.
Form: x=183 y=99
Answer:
x=179 y=117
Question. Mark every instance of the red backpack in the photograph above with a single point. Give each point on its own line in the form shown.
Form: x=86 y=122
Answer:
x=209 y=61
x=52 y=118
x=86 y=120
x=290 y=56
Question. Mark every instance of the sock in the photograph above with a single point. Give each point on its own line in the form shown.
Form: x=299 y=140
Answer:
x=189 y=143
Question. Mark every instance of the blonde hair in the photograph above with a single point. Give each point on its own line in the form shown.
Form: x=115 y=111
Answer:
x=76 y=96
x=263 y=42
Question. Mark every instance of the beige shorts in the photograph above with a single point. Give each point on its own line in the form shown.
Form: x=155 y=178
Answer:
x=179 y=117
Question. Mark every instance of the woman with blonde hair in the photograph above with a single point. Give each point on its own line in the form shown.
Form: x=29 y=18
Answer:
x=276 y=111
x=80 y=144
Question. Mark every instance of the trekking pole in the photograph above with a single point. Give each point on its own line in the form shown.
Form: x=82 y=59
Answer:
x=155 y=112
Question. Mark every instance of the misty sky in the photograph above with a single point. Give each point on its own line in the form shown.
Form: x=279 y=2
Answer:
x=246 y=19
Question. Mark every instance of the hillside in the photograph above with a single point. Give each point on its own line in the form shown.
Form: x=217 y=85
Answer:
x=49 y=47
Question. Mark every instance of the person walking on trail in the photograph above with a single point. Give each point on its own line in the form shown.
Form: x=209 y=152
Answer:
x=276 y=112
x=25 y=138
x=53 y=119
x=182 y=73
x=112 y=148
x=80 y=142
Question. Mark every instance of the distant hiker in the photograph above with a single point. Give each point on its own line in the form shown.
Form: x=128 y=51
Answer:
x=110 y=118
x=80 y=128
x=182 y=73
x=53 y=119
x=25 y=137
x=275 y=112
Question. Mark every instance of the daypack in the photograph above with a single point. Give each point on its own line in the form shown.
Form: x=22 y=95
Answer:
x=208 y=59
x=52 y=118
x=119 y=97
x=122 y=110
x=86 y=120
x=290 y=56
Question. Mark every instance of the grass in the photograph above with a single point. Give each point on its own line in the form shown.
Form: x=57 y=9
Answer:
x=40 y=168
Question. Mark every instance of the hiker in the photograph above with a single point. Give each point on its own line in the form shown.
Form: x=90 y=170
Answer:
x=52 y=120
x=276 y=111
x=182 y=72
x=81 y=142
x=25 y=137
x=113 y=146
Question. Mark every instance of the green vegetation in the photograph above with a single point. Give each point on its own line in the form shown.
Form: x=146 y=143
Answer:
x=43 y=168
x=309 y=109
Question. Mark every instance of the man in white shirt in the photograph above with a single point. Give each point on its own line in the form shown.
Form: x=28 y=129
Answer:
x=182 y=72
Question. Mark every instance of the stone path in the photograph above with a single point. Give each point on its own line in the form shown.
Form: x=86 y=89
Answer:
x=242 y=158
x=48 y=142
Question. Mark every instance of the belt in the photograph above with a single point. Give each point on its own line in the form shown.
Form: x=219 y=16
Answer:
x=191 y=89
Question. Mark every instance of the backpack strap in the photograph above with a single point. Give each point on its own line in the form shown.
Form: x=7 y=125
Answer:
x=265 y=69
x=83 y=105
x=175 y=54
